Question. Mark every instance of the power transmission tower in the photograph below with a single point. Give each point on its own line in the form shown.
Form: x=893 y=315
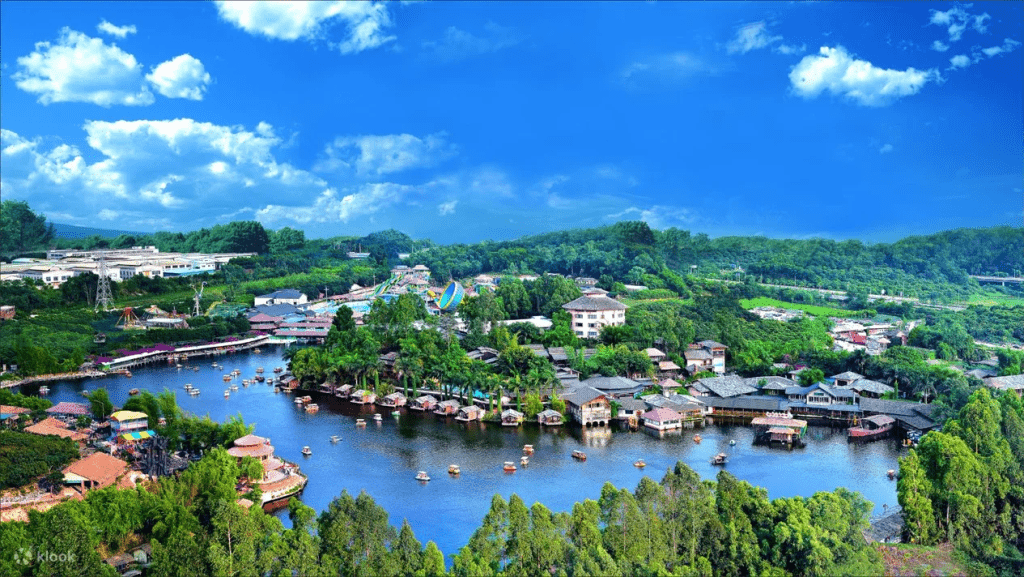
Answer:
x=103 y=296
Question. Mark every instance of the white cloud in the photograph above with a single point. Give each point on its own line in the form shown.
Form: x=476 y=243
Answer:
x=956 y=20
x=365 y=22
x=1009 y=45
x=118 y=31
x=667 y=68
x=753 y=36
x=78 y=68
x=657 y=216
x=447 y=207
x=834 y=70
x=458 y=44
x=886 y=148
x=107 y=214
x=959 y=61
x=383 y=154
x=940 y=46
x=789 y=49
x=332 y=206
x=181 y=77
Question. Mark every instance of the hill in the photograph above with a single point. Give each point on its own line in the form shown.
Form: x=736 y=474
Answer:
x=70 y=231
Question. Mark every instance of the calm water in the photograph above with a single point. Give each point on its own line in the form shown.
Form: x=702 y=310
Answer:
x=383 y=459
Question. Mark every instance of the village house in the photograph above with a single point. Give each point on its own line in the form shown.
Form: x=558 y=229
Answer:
x=630 y=408
x=9 y=414
x=730 y=386
x=588 y=406
x=590 y=314
x=470 y=413
x=67 y=411
x=283 y=296
x=96 y=471
x=393 y=400
x=423 y=403
x=1014 y=383
x=846 y=379
x=614 y=386
x=126 y=422
x=717 y=351
x=52 y=426
x=512 y=418
x=447 y=408
x=668 y=369
x=655 y=355
x=698 y=361
x=869 y=388
x=772 y=385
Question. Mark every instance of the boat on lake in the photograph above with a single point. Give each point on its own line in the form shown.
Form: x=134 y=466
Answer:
x=132 y=392
x=360 y=422
x=422 y=476
x=871 y=428
x=278 y=369
x=509 y=467
x=194 y=392
x=524 y=461
x=233 y=387
x=454 y=470
x=335 y=438
x=579 y=455
x=639 y=463
x=312 y=408
x=696 y=439
x=377 y=417
x=44 y=390
x=527 y=449
x=891 y=473
x=719 y=459
x=307 y=451
x=227 y=393
x=259 y=369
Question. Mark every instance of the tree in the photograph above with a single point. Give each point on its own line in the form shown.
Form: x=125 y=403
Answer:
x=809 y=377
x=914 y=490
x=100 y=404
x=21 y=229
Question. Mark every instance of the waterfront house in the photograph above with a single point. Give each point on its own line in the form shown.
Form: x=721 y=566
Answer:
x=423 y=403
x=909 y=416
x=630 y=408
x=96 y=471
x=343 y=391
x=549 y=417
x=393 y=400
x=590 y=314
x=363 y=397
x=744 y=406
x=661 y=419
x=122 y=422
x=511 y=418
x=447 y=408
x=588 y=406
x=280 y=479
x=821 y=394
x=470 y=413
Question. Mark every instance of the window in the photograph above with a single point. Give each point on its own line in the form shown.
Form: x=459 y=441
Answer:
x=579 y=324
x=579 y=315
x=591 y=316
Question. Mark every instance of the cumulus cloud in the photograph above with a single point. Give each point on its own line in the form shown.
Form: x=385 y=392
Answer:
x=109 y=29
x=1009 y=45
x=886 y=148
x=458 y=44
x=78 y=68
x=332 y=205
x=940 y=46
x=364 y=22
x=835 y=70
x=959 y=61
x=447 y=207
x=383 y=154
x=789 y=49
x=956 y=20
x=181 y=77
x=753 y=36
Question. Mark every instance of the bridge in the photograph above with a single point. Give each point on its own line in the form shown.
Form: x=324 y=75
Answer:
x=999 y=279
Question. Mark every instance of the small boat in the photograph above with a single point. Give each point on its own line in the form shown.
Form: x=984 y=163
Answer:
x=44 y=390
x=360 y=422
x=178 y=365
x=278 y=369
x=396 y=414
x=259 y=369
x=233 y=387
x=245 y=382
x=524 y=461
x=196 y=369
x=194 y=392
x=227 y=378
x=335 y=438
x=259 y=378
x=579 y=455
x=454 y=470
x=639 y=463
x=422 y=476
x=732 y=442
x=307 y=451
x=509 y=467
x=377 y=417
x=257 y=351
x=188 y=386
x=128 y=374
x=891 y=473
x=696 y=439
x=527 y=449
x=227 y=394
x=312 y=408
x=718 y=459
x=298 y=400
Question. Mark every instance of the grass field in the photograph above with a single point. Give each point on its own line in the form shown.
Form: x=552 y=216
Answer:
x=905 y=559
x=816 y=310
x=990 y=298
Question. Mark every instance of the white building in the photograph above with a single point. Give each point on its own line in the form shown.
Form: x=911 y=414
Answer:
x=590 y=314
x=283 y=296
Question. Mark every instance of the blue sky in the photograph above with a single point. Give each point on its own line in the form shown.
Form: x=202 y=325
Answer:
x=469 y=121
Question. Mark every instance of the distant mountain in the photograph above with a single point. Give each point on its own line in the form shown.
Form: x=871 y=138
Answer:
x=61 y=230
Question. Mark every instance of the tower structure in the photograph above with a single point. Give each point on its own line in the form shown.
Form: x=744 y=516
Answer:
x=103 y=296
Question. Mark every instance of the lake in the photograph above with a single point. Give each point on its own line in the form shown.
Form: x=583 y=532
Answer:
x=383 y=458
